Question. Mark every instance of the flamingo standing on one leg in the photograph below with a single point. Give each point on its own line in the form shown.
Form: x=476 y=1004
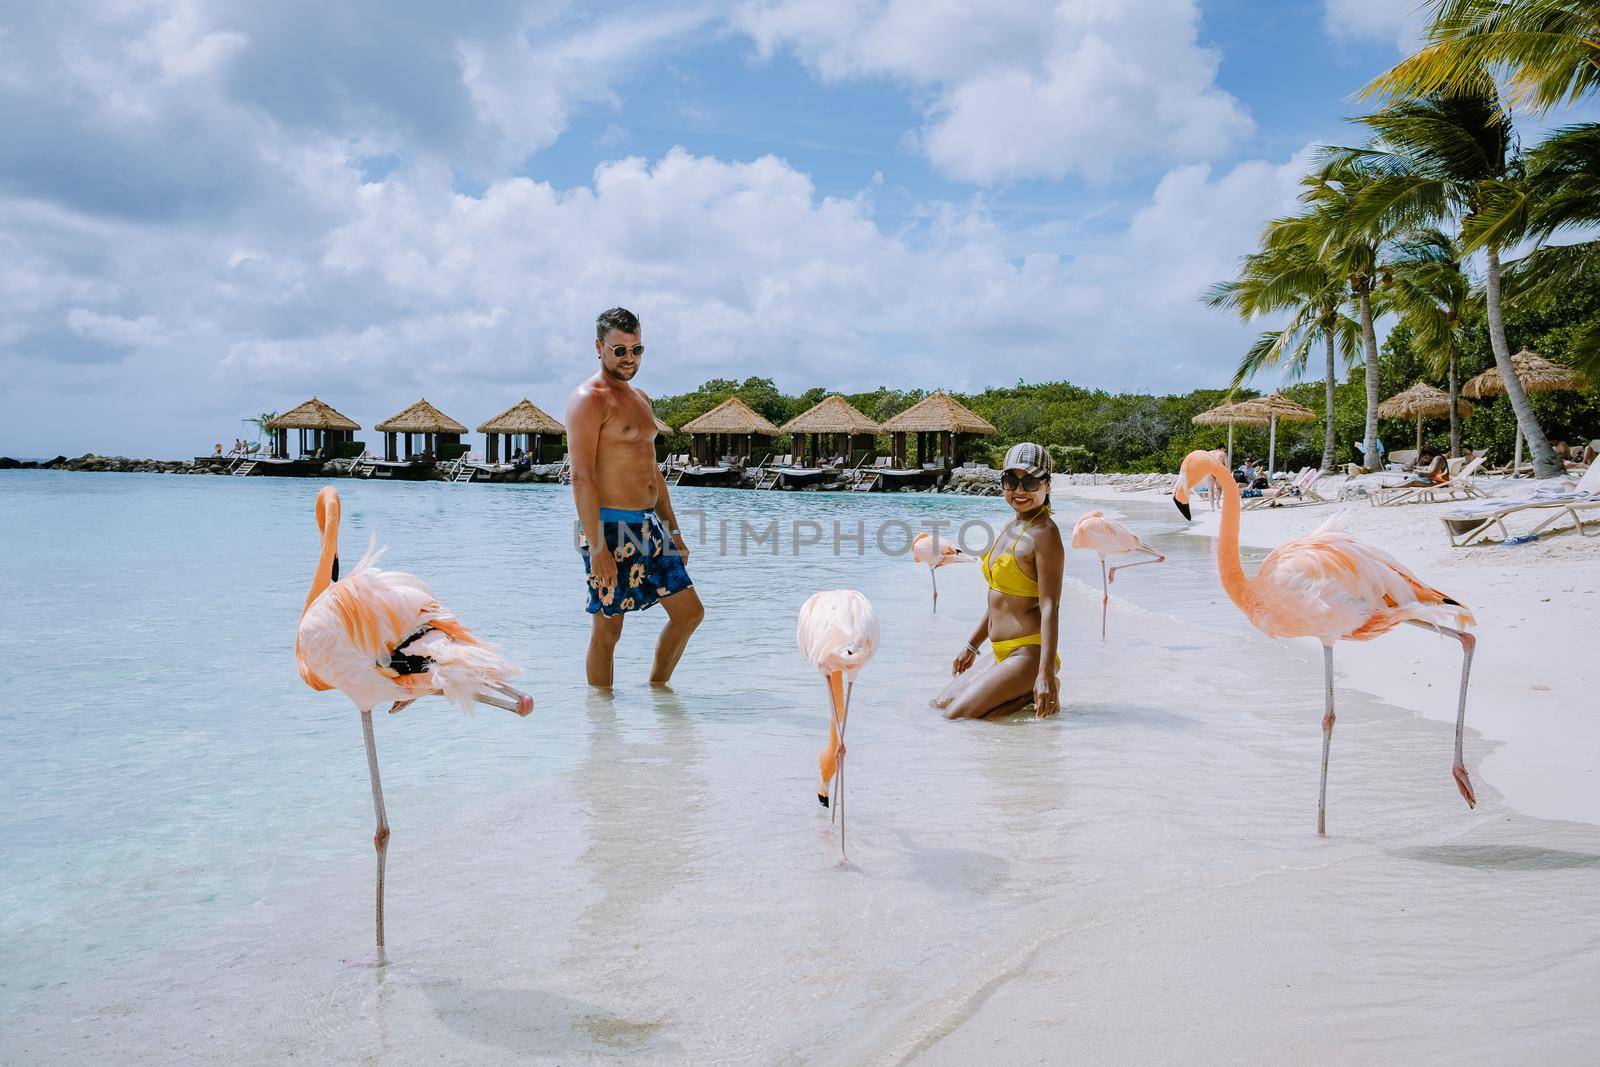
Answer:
x=379 y=636
x=935 y=552
x=1330 y=586
x=838 y=633
x=1107 y=537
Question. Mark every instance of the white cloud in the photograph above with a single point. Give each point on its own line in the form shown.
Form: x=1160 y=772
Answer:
x=1400 y=21
x=736 y=269
x=1020 y=89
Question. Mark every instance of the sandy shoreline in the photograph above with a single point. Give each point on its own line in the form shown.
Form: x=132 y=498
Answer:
x=1534 y=679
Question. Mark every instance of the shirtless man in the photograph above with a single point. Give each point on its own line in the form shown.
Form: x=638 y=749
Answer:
x=623 y=504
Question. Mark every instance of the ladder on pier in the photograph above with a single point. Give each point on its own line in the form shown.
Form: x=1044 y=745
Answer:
x=564 y=475
x=769 y=479
x=365 y=469
x=864 y=482
x=243 y=470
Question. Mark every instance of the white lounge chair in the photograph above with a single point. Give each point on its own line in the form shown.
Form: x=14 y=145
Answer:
x=1486 y=521
x=1291 y=494
x=1458 y=486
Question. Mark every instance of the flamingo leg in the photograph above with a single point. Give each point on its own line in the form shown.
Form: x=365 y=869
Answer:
x=1105 y=597
x=519 y=702
x=380 y=839
x=933 y=572
x=845 y=717
x=828 y=761
x=1458 y=769
x=1159 y=558
x=1327 y=742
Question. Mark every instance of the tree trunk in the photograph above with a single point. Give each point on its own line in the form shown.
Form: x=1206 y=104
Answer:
x=1327 y=419
x=1455 y=401
x=1545 y=462
x=1369 y=340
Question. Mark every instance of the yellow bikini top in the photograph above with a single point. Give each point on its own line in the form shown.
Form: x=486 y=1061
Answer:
x=1004 y=573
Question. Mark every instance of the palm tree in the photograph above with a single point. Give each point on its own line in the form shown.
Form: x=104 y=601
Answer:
x=1350 y=251
x=1452 y=157
x=1289 y=277
x=1430 y=292
x=1547 y=50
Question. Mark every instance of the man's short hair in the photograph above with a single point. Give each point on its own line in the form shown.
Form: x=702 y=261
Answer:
x=620 y=319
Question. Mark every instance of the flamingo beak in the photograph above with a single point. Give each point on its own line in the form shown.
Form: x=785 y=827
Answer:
x=335 y=576
x=1183 y=506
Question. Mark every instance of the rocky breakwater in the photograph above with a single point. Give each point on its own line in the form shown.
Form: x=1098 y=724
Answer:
x=539 y=472
x=973 y=481
x=120 y=464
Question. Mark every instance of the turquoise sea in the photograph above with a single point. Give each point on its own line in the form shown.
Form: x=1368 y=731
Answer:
x=185 y=827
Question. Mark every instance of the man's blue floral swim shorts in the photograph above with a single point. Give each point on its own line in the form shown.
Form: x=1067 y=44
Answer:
x=649 y=565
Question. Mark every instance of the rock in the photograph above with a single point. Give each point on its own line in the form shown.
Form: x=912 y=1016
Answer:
x=9 y=464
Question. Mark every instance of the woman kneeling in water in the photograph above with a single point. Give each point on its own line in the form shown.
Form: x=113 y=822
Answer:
x=1023 y=568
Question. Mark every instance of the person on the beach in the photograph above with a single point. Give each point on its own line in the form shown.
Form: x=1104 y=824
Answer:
x=1022 y=620
x=1429 y=469
x=623 y=506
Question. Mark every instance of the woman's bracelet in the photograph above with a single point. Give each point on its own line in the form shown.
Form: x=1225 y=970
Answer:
x=971 y=649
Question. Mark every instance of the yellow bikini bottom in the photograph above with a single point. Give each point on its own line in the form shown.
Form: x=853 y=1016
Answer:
x=1002 y=649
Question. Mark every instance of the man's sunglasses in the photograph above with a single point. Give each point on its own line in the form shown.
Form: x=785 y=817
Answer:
x=1026 y=482
x=618 y=351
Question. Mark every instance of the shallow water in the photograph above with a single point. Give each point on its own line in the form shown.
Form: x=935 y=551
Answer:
x=185 y=827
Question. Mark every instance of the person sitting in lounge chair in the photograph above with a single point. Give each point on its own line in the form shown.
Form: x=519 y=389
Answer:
x=1429 y=469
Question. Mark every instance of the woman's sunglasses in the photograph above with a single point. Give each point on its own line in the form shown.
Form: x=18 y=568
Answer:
x=618 y=351
x=1026 y=482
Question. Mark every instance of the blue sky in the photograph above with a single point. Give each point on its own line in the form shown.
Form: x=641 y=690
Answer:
x=212 y=209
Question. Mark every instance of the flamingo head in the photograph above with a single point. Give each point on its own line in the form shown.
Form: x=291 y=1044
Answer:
x=327 y=507
x=1197 y=466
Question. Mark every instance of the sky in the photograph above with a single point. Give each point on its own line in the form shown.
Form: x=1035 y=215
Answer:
x=214 y=209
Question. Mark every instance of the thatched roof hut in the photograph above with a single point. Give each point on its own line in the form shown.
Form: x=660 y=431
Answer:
x=314 y=414
x=732 y=428
x=835 y=426
x=320 y=427
x=424 y=420
x=521 y=420
x=662 y=429
x=943 y=427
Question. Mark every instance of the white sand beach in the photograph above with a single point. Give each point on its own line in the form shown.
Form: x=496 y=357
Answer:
x=1372 y=946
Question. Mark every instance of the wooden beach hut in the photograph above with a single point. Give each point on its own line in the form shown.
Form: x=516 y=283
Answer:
x=731 y=429
x=524 y=427
x=1537 y=375
x=1421 y=401
x=833 y=427
x=321 y=429
x=942 y=426
x=422 y=430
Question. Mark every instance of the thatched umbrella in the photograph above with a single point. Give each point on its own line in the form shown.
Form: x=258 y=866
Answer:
x=1230 y=414
x=1276 y=407
x=1537 y=375
x=833 y=417
x=522 y=419
x=727 y=427
x=938 y=419
x=1421 y=401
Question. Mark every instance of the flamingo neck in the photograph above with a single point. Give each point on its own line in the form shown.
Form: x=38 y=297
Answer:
x=330 y=551
x=1234 y=583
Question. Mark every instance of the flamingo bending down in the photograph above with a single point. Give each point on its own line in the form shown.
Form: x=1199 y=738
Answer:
x=379 y=636
x=838 y=633
x=1107 y=537
x=935 y=552
x=1330 y=586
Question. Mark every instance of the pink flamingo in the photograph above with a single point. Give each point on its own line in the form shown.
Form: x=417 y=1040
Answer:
x=381 y=636
x=933 y=553
x=1107 y=537
x=1330 y=586
x=838 y=633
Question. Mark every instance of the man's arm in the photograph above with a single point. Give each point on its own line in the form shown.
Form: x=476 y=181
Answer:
x=585 y=414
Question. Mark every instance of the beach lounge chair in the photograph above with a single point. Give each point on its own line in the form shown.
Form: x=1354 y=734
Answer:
x=1458 y=486
x=1486 y=520
x=1291 y=494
